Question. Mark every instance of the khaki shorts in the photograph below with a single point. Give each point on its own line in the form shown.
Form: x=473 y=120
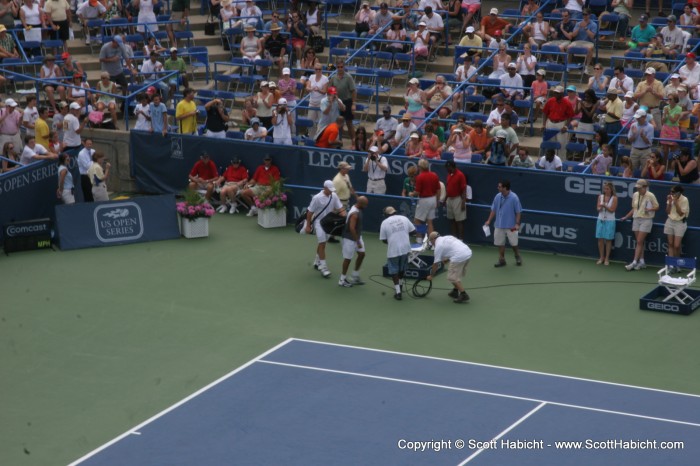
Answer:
x=500 y=235
x=258 y=189
x=642 y=224
x=454 y=209
x=456 y=270
x=425 y=210
x=675 y=228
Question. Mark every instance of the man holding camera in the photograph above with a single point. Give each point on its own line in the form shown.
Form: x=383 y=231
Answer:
x=331 y=108
x=282 y=122
x=375 y=166
x=347 y=93
x=216 y=119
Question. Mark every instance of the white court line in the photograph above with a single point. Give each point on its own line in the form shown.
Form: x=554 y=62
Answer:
x=435 y=358
x=135 y=430
x=481 y=392
x=511 y=427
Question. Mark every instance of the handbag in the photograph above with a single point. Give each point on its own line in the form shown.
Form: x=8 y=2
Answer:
x=300 y=222
x=210 y=27
x=361 y=27
x=317 y=43
x=333 y=224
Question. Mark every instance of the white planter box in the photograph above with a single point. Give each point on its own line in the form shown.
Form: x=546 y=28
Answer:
x=272 y=218
x=198 y=228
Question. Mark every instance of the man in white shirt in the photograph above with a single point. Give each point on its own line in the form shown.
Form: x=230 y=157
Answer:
x=34 y=152
x=512 y=80
x=452 y=250
x=30 y=115
x=255 y=132
x=550 y=161
x=321 y=205
x=690 y=74
x=72 y=127
x=673 y=37
x=620 y=81
x=149 y=68
x=403 y=131
x=494 y=118
x=388 y=124
x=91 y=9
x=396 y=232
x=84 y=163
x=375 y=166
x=435 y=26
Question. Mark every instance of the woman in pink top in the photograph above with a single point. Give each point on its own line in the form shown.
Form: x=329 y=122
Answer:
x=461 y=143
x=287 y=87
x=431 y=143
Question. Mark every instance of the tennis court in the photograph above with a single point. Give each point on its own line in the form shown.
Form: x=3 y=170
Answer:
x=307 y=402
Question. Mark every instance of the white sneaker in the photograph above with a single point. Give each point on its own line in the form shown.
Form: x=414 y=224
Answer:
x=632 y=266
x=640 y=266
x=252 y=212
x=317 y=263
x=222 y=209
x=233 y=209
x=344 y=283
x=324 y=271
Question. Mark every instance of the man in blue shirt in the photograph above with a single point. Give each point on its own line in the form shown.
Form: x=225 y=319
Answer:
x=641 y=35
x=584 y=36
x=506 y=209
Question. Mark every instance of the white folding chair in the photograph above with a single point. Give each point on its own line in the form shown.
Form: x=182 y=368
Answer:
x=676 y=285
x=417 y=249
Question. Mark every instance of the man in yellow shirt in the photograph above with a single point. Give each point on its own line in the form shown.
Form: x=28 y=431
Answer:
x=649 y=93
x=186 y=113
x=472 y=40
x=41 y=128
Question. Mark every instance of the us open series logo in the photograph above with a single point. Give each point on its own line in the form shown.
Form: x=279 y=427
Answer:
x=118 y=222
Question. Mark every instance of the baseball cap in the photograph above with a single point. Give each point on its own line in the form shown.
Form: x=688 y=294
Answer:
x=494 y=11
x=650 y=70
x=388 y=210
x=671 y=18
x=264 y=83
x=254 y=120
x=380 y=131
x=286 y=71
x=118 y=39
x=343 y=165
x=151 y=90
x=406 y=117
x=571 y=89
x=629 y=94
x=282 y=101
x=65 y=56
x=497 y=33
x=11 y=103
x=640 y=113
x=374 y=149
x=558 y=90
x=328 y=184
x=413 y=81
x=415 y=136
x=422 y=23
x=641 y=183
x=272 y=84
x=387 y=108
x=675 y=76
x=643 y=18
x=75 y=106
x=204 y=154
x=332 y=90
x=501 y=134
x=541 y=72
x=173 y=49
x=470 y=29
x=93 y=2
x=511 y=65
x=62 y=104
x=268 y=157
x=690 y=55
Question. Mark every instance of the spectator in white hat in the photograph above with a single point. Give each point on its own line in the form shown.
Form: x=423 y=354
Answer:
x=491 y=24
x=628 y=109
x=512 y=83
x=471 y=39
x=421 y=41
x=282 y=123
x=673 y=85
x=435 y=26
x=640 y=137
x=10 y=122
x=72 y=127
x=415 y=101
x=375 y=166
x=649 y=93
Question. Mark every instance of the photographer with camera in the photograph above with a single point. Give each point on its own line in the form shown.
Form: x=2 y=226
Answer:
x=217 y=117
x=685 y=167
x=331 y=108
x=282 y=122
x=375 y=166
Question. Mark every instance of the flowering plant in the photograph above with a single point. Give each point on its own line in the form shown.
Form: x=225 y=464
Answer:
x=194 y=206
x=273 y=197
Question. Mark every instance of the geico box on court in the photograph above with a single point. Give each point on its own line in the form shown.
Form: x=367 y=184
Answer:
x=414 y=272
x=653 y=301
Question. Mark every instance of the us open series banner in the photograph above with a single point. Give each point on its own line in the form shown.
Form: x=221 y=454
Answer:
x=110 y=223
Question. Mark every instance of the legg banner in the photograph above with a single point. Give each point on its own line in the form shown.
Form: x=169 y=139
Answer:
x=29 y=192
x=136 y=220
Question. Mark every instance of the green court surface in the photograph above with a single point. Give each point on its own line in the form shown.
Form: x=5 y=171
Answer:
x=94 y=342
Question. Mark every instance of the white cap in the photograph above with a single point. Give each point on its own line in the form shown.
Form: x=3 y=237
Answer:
x=286 y=71
x=629 y=94
x=422 y=23
x=264 y=83
x=282 y=101
x=511 y=65
x=542 y=72
x=328 y=184
x=413 y=81
x=374 y=149
x=75 y=106
x=501 y=134
x=11 y=103
x=494 y=11
x=457 y=130
x=675 y=76
x=650 y=70
x=173 y=49
x=640 y=113
x=470 y=29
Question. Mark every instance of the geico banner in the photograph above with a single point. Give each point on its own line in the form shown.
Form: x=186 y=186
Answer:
x=164 y=166
x=575 y=236
x=29 y=192
x=135 y=220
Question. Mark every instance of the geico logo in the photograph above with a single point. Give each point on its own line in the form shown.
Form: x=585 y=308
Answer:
x=663 y=307
x=25 y=230
x=594 y=186
x=529 y=229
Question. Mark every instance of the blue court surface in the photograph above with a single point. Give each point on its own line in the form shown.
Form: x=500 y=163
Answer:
x=312 y=403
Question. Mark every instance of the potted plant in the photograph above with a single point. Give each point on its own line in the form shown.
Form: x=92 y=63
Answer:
x=272 y=205
x=194 y=214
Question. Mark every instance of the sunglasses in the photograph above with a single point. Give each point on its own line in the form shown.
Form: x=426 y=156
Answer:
x=598 y=69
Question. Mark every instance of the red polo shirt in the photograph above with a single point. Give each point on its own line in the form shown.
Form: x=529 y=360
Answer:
x=557 y=111
x=427 y=184
x=206 y=171
x=235 y=174
x=456 y=184
x=262 y=176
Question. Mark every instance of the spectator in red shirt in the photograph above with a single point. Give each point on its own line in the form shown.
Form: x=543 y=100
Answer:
x=456 y=202
x=491 y=24
x=203 y=175
x=330 y=136
x=557 y=114
x=259 y=183
x=428 y=190
x=234 y=179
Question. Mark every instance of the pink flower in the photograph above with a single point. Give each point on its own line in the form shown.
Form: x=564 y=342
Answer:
x=268 y=202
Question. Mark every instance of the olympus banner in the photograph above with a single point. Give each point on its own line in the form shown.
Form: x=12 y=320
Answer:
x=137 y=220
